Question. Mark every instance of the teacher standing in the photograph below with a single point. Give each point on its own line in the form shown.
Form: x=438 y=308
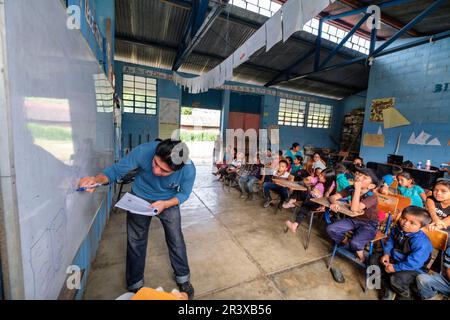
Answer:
x=165 y=178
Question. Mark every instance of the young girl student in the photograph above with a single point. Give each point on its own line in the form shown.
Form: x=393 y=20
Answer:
x=324 y=186
x=408 y=188
x=438 y=205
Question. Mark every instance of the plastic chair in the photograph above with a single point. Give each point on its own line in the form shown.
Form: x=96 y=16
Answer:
x=439 y=240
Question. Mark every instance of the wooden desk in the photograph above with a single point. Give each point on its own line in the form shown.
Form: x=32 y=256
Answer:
x=289 y=184
x=345 y=207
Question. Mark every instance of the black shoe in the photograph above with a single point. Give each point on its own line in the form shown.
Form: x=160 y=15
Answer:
x=249 y=197
x=337 y=275
x=187 y=288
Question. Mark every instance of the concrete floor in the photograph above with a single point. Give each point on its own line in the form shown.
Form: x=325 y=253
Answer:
x=236 y=250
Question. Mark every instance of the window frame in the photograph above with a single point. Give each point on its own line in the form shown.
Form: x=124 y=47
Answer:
x=144 y=93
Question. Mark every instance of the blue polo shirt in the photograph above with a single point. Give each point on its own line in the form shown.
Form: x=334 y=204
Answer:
x=148 y=186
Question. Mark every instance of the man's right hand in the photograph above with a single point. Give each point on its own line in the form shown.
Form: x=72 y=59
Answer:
x=87 y=182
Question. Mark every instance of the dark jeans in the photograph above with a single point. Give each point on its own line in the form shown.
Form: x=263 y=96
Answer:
x=400 y=281
x=363 y=232
x=137 y=237
x=282 y=191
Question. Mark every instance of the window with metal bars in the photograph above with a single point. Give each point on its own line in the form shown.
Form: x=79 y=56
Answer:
x=139 y=94
x=291 y=113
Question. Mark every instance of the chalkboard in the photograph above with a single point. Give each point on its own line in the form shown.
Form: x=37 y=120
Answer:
x=62 y=129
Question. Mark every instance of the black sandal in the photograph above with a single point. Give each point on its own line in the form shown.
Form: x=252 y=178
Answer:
x=337 y=275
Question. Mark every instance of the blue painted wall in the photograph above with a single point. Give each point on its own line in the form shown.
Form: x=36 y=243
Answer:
x=248 y=103
x=147 y=126
x=101 y=10
x=212 y=99
x=265 y=105
x=410 y=76
x=303 y=135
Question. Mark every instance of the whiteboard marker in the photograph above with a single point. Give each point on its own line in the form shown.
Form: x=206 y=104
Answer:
x=91 y=187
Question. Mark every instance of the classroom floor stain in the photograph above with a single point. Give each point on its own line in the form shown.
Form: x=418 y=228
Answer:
x=236 y=250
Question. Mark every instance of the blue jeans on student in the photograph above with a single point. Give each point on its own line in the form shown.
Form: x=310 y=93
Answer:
x=137 y=237
x=246 y=183
x=282 y=191
x=431 y=284
x=363 y=232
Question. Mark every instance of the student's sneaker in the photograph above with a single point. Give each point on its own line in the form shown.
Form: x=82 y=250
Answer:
x=267 y=203
x=389 y=294
x=288 y=205
x=249 y=197
x=243 y=196
x=187 y=288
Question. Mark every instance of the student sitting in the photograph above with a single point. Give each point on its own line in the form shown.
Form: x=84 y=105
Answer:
x=294 y=151
x=364 y=202
x=318 y=162
x=358 y=162
x=324 y=186
x=341 y=177
x=431 y=286
x=281 y=173
x=407 y=188
x=252 y=176
x=438 y=205
x=389 y=179
x=308 y=181
x=234 y=167
x=406 y=253
x=222 y=168
x=289 y=161
x=296 y=165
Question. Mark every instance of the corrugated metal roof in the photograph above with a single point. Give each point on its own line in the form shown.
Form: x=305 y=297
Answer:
x=149 y=32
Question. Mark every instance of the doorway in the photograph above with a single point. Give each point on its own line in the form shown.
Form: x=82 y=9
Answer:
x=199 y=129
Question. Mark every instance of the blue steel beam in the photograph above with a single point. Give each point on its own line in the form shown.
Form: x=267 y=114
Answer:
x=195 y=34
x=318 y=45
x=283 y=75
x=412 y=44
x=344 y=40
x=364 y=9
x=411 y=24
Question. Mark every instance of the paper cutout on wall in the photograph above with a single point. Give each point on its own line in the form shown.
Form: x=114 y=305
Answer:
x=422 y=138
x=378 y=105
x=434 y=142
x=274 y=32
x=373 y=140
x=392 y=118
x=292 y=18
x=380 y=131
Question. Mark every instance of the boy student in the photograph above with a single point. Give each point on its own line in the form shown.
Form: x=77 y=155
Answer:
x=364 y=202
x=249 y=178
x=406 y=253
x=281 y=173
x=431 y=286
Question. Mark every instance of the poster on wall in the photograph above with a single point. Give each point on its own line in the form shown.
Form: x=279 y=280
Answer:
x=169 y=117
x=373 y=140
x=378 y=105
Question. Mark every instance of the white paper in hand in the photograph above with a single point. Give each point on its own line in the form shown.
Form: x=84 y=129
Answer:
x=136 y=205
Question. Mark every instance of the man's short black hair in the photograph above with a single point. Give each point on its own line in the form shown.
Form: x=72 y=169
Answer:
x=295 y=145
x=173 y=152
x=418 y=212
